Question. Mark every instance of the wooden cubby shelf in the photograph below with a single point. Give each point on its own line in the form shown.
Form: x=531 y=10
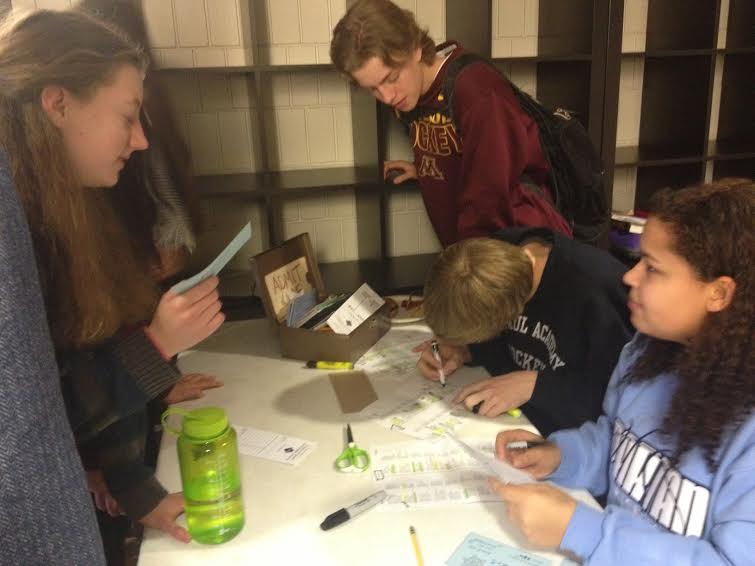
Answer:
x=681 y=25
x=290 y=183
x=740 y=24
x=734 y=168
x=402 y=274
x=688 y=130
x=651 y=179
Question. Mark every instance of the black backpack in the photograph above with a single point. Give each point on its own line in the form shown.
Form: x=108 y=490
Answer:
x=576 y=170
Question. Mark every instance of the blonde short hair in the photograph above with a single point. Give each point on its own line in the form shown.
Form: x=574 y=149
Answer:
x=476 y=288
x=378 y=28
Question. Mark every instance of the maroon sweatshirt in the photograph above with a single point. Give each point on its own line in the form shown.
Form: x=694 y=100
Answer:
x=497 y=176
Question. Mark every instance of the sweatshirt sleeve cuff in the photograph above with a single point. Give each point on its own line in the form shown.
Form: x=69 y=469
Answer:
x=152 y=373
x=542 y=394
x=583 y=532
x=142 y=498
x=568 y=469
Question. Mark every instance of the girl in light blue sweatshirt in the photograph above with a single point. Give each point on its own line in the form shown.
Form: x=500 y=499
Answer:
x=674 y=450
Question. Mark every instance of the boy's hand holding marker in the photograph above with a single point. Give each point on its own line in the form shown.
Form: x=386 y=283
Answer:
x=439 y=360
x=451 y=359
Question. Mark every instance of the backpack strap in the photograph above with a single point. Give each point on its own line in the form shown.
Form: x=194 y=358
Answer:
x=452 y=70
x=528 y=104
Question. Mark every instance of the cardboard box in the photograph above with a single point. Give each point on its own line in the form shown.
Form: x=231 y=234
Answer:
x=286 y=271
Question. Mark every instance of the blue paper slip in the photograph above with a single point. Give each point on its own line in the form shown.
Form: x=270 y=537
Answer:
x=478 y=550
x=218 y=263
x=299 y=306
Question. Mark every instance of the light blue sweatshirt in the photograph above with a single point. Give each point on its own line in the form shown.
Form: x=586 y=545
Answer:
x=656 y=513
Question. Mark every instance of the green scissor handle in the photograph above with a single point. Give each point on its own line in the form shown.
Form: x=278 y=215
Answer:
x=353 y=459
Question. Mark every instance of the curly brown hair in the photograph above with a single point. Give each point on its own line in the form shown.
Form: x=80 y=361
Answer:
x=712 y=229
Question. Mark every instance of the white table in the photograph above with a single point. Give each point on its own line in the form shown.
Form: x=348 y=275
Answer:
x=285 y=505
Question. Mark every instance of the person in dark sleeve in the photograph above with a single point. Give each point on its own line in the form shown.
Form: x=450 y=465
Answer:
x=545 y=315
x=45 y=513
x=497 y=176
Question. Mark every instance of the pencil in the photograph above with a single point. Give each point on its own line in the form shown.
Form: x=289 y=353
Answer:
x=415 y=544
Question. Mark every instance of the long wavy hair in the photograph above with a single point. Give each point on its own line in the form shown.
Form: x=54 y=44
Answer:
x=162 y=127
x=712 y=228
x=92 y=279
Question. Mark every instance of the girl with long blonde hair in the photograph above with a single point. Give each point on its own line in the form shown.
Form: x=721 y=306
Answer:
x=70 y=99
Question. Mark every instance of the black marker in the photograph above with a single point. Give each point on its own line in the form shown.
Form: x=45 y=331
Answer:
x=343 y=515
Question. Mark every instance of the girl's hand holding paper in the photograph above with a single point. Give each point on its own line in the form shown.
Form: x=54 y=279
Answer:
x=541 y=511
x=181 y=321
x=539 y=462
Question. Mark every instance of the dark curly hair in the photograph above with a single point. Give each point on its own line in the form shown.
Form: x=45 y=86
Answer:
x=712 y=229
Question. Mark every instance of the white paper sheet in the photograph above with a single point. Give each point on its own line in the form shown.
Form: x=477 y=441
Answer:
x=406 y=401
x=358 y=308
x=273 y=446
x=431 y=473
x=498 y=468
x=428 y=415
x=218 y=263
x=393 y=352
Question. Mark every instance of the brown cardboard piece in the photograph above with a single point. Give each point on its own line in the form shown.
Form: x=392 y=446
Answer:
x=275 y=286
x=353 y=389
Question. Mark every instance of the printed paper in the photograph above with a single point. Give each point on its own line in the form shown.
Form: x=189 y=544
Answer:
x=482 y=551
x=273 y=446
x=425 y=474
x=358 y=308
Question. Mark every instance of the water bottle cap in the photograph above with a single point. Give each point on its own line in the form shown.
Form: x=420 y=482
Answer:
x=203 y=423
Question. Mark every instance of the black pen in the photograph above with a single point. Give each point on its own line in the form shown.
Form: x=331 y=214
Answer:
x=525 y=444
x=343 y=515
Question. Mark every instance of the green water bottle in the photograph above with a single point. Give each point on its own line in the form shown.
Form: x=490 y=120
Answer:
x=209 y=462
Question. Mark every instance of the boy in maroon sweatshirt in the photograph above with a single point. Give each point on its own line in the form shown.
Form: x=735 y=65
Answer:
x=497 y=175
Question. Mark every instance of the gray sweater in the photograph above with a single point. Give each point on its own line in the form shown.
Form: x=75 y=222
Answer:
x=46 y=514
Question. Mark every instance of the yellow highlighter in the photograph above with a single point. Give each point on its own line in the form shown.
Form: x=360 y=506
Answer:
x=316 y=364
x=516 y=413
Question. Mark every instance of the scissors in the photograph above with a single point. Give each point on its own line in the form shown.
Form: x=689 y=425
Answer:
x=353 y=458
